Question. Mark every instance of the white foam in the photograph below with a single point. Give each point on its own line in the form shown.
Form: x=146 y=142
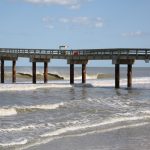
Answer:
x=87 y=77
x=112 y=129
x=82 y=127
x=123 y=82
x=146 y=111
x=15 y=109
x=54 y=135
x=87 y=133
x=7 y=112
x=27 y=127
x=44 y=107
x=19 y=128
x=28 y=87
x=65 y=84
x=16 y=142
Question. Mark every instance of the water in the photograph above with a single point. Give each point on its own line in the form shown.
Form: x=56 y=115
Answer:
x=32 y=115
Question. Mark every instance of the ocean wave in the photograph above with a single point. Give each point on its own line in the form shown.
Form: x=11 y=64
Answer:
x=144 y=81
x=18 y=109
x=27 y=127
x=39 y=107
x=95 y=76
x=107 y=126
x=48 y=139
x=40 y=76
x=90 y=126
x=56 y=76
x=7 y=112
x=28 y=86
x=20 y=141
x=19 y=128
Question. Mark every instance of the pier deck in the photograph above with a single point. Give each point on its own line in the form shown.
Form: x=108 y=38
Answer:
x=77 y=56
x=90 y=54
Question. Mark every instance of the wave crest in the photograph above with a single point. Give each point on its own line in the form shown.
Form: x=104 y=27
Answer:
x=17 y=109
x=14 y=143
x=7 y=112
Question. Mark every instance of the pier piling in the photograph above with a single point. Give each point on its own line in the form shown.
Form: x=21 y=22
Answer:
x=129 y=75
x=71 y=73
x=83 y=73
x=34 y=72
x=2 y=71
x=45 y=72
x=117 y=75
x=13 y=71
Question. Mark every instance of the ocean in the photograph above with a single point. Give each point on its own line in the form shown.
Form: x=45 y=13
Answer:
x=60 y=116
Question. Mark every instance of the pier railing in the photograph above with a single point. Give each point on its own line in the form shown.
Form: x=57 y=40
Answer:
x=96 y=53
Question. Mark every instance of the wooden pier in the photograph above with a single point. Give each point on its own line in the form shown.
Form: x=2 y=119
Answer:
x=119 y=56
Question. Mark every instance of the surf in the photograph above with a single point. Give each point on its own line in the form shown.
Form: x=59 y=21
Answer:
x=14 y=110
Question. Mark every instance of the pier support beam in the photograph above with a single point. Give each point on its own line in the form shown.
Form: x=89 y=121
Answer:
x=129 y=75
x=13 y=71
x=2 y=71
x=34 y=72
x=45 y=72
x=83 y=73
x=71 y=73
x=117 y=75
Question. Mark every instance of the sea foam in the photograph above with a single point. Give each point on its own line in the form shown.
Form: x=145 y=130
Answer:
x=14 y=110
x=41 y=107
x=20 y=141
x=90 y=126
x=28 y=86
x=7 y=112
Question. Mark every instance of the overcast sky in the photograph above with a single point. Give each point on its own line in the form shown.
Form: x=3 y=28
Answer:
x=76 y=23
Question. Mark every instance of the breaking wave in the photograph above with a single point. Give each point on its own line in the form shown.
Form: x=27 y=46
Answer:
x=20 y=141
x=90 y=126
x=7 y=112
x=103 y=127
x=27 y=86
x=18 y=109
x=40 y=76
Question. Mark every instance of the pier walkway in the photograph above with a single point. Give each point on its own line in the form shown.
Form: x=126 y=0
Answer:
x=118 y=56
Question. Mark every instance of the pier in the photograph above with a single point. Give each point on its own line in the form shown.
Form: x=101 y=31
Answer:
x=118 y=56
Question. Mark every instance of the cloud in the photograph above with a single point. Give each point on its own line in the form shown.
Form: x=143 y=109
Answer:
x=73 y=4
x=81 y=21
x=64 y=20
x=135 y=34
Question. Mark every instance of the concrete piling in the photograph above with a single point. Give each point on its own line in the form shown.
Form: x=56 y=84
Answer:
x=117 y=75
x=45 y=72
x=13 y=71
x=2 y=71
x=129 y=75
x=83 y=73
x=71 y=73
x=34 y=72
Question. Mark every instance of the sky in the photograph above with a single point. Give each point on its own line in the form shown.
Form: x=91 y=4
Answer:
x=76 y=23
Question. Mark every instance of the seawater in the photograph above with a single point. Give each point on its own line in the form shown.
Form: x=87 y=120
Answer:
x=31 y=115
